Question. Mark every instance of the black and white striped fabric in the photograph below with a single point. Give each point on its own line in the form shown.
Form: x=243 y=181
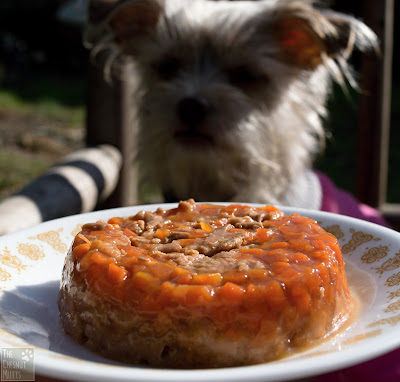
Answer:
x=75 y=185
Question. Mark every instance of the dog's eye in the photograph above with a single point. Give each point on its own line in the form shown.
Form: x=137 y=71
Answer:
x=243 y=76
x=167 y=68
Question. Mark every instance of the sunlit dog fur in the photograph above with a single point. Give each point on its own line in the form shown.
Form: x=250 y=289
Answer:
x=232 y=94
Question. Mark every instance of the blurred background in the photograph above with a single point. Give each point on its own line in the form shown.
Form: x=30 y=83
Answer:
x=43 y=67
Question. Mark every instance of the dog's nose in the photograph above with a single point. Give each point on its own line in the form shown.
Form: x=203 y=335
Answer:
x=193 y=110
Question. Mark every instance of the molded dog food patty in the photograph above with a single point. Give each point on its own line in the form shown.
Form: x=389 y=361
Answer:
x=203 y=285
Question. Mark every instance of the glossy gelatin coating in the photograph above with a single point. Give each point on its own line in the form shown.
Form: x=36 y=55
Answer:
x=203 y=285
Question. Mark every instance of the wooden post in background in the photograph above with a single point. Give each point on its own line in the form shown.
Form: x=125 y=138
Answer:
x=374 y=110
x=110 y=114
x=109 y=120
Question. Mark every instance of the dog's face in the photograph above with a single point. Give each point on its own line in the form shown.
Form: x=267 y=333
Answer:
x=231 y=93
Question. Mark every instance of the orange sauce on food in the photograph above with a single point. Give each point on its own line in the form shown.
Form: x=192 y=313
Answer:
x=291 y=274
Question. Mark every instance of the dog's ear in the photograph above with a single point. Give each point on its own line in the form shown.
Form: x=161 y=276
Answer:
x=299 y=44
x=134 y=19
x=126 y=22
x=308 y=36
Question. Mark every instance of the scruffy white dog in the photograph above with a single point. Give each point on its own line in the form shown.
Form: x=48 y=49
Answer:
x=231 y=94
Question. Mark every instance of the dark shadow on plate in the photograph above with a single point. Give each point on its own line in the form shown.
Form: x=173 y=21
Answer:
x=31 y=313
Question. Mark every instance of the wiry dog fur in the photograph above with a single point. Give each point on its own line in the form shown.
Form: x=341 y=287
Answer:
x=232 y=94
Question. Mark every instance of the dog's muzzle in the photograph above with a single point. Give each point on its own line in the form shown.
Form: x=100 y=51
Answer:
x=192 y=113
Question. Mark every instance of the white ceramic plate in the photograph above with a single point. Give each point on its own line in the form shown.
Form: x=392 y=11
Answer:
x=30 y=267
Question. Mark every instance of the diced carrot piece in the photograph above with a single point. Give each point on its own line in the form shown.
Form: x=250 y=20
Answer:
x=185 y=242
x=138 y=268
x=257 y=275
x=179 y=271
x=235 y=276
x=131 y=251
x=145 y=281
x=313 y=283
x=94 y=273
x=263 y=234
x=279 y=244
x=114 y=220
x=206 y=227
x=128 y=232
x=254 y=295
x=178 y=294
x=318 y=244
x=285 y=272
x=80 y=250
x=275 y=295
x=320 y=255
x=184 y=279
x=272 y=209
x=221 y=222
x=198 y=294
x=196 y=234
x=300 y=258
x=162 y=233
x=99 y=258
x=207 y=279
x=301 y=298
x=253 y=251
x=231 y=209
x=116 y=274
x=165 y=294
x=301 y=245
x=131 y=264
x=232 y=292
